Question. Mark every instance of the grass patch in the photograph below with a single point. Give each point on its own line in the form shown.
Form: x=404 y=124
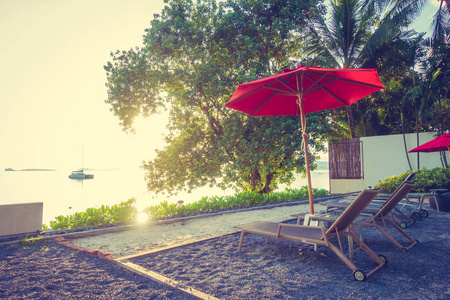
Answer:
x=30 y=242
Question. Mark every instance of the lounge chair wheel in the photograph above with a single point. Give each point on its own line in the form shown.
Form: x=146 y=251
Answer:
x=403 y=225
x=359 y=275
x=416 y=216
x=404 y=250
x=423 y=213
x=383 y=258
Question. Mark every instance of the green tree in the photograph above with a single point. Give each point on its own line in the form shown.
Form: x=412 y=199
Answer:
x=434 y=88
x=193 y=58
x=432 y=93
x=413 y=70
x=356 y=32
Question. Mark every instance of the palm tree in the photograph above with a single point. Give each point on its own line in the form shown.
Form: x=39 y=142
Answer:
x=433 y=90
x=448 y=4
x=356 y=30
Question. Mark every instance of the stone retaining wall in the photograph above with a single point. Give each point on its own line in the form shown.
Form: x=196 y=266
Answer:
x=20 y=218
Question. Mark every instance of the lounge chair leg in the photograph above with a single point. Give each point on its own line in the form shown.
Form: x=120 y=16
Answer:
x=413 y=241
x=350 y=247
x=368 y=250
x=267 y=239
x=307 y=221
x=342 y=256
x=241 y=240
x=360 y=232
x=389 y=237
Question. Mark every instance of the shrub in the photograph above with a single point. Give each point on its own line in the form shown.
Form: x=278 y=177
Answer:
x=425 y=180
x=126 y=211
x=245 y=198
x=123 y=212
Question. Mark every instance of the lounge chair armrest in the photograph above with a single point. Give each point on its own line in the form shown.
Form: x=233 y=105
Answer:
x=337 y=209
x=295 y=225
x=379 y=200
x=299 y=216
x=324 y=218
x=328 y=217
x=300 y=219
x=365 y=214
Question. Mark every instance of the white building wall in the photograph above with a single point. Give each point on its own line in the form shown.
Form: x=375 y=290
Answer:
x=384 y=156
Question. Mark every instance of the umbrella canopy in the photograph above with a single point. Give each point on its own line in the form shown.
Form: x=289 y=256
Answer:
x=304 y=90
x=441 y=143
x=319 y=89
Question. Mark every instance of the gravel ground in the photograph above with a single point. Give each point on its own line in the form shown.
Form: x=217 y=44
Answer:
x=48 y=270
x=278 y=270
x=289 y=270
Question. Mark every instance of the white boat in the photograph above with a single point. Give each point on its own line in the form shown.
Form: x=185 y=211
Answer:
x=79 y=174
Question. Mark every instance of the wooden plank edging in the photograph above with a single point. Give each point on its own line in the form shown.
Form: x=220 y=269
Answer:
x=172 y=246
x=164 y=280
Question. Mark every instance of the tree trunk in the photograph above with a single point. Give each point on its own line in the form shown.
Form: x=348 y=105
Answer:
x=417 y=137
x=255 y=179
x=404 y=141
x=444 y=159
x=351 y=123
x=267 y=189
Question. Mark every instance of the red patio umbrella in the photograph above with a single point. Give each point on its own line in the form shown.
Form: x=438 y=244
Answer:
x=441 y=143
x=303 y=90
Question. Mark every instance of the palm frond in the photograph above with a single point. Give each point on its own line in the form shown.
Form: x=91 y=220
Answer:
x=319 y=41
x=440 y=24
x=382 y=34
x=403 y=12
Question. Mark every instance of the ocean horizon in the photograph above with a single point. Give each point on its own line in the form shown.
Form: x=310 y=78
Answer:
x=64 y=196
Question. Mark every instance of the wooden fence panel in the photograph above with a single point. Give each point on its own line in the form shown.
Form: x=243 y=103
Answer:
x=345 y=159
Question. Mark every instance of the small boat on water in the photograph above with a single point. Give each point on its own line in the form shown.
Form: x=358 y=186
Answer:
x=79 y=174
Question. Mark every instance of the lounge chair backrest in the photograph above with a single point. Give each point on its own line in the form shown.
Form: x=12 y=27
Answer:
x=353 y=210
x=410 y=177
x=398 y=195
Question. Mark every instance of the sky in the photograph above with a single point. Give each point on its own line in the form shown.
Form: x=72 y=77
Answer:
x=52 y=83
x=53 y=90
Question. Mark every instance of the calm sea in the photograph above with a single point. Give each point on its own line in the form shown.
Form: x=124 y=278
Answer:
x=64 y=196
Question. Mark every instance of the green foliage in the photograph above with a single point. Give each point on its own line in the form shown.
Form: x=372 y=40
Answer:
x=126 y=212
x=375 y=34
x=243 y=199
x=32 y=240
x=425 y=180
x=195 y=54
x=28 y=243
x=118 y=213
x=267 y=150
